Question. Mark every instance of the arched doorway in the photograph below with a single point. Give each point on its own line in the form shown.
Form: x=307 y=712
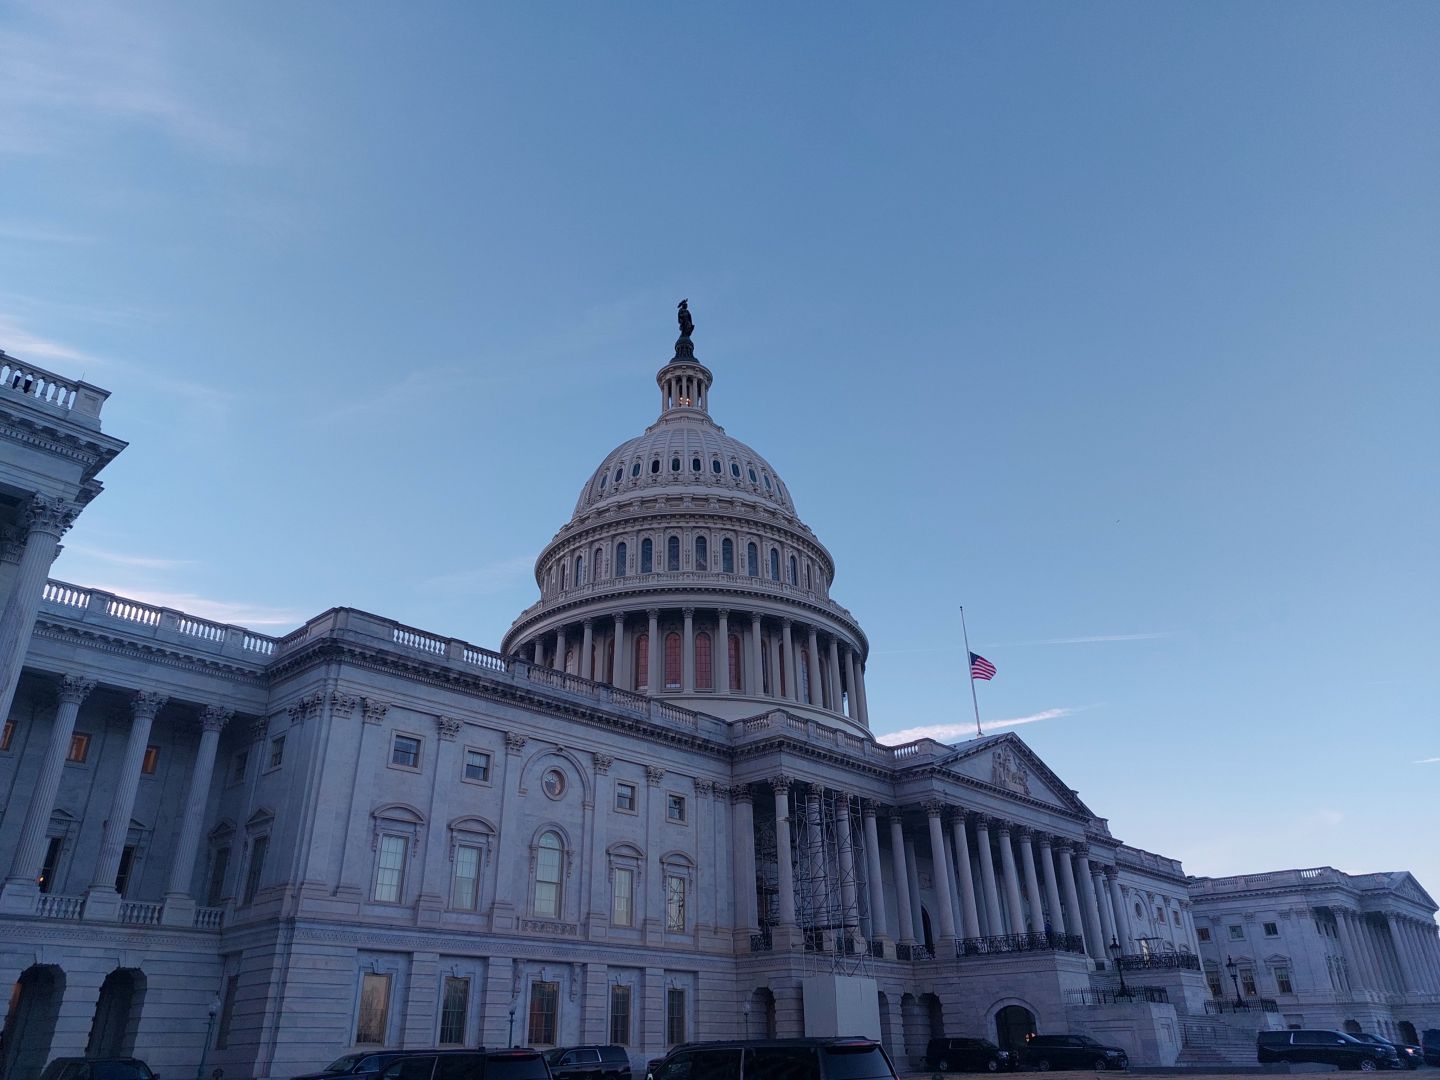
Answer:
x=30 y=1021
x=934 y=1017
x=117 y=1013
x=927 y=935
x=887 y=1027
x=913 y=1026
x=1352 y=1027
x=1013 y=1025
x=760 y=1014
x=1407 y=1033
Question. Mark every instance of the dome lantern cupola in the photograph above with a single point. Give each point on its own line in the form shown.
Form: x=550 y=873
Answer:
x=684 y=381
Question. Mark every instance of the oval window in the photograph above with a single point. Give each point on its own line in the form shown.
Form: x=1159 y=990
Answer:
x=767 y=482
x=735 y=470
x=619 y=474
x=602 y=482
x=655 y=466
x=695 y=464
x=753 y=478
x=715 y=466
x=674 y=464
x=635 y=469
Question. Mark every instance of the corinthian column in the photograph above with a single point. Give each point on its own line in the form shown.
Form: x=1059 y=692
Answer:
x=812 y=670
x=182 y=869
x=987 y=875
x=587 y=648
x=1012 y=880
x=744 y=861
x=46 y=520
x=756 y=682
x=1032 y=883
x=902 y=878
x=20 y=885
x=618 y=675
x=1122 y=911
x=652 y=653
x=1052 y=892
x=834 y=669
x=879 y=927
x=854 y=683
x=785 y=870
x=1075 y=919
x=687 y=656
x=1094 y=944
x=941 y=873
x=792 y=670
x=969 y=914
x=720 y=654
x=101 y=898
x=845 y=849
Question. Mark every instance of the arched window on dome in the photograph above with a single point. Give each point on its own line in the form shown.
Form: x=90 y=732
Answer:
x=727 y=556
x=715 y=466
x=672 y=553
x=767 y=683
x=674 y=464
x=635 y=469
x=647 y=555
x=774 y=564
x=752 y=560
x=736 y=684
x=804 y=685
x=807 y=575
x=642 y=663
x=695 y=464
x=672 y=661
x=563 y=575
x=570 y=661
x=622 y=559
x=579 y=570
x=794 y=571
x=704 y=662
x=597 y=563
x=702 y=553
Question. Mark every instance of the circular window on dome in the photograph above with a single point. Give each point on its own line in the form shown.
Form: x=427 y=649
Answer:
x=554 y=783
x=635 y=469
x=767 y=481
x=674 y=464
x=735 y=470
x=753 y=478
x=695 y=465
x=655 y=466
x=715 y=466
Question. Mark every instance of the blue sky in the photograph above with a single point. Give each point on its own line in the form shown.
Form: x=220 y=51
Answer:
x=1115 y=323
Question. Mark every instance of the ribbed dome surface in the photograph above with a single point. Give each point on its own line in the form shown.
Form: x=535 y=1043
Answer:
x=683 y=452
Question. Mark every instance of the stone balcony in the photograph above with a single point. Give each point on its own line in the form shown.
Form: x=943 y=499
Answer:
x=76 y=400
x=129 y=913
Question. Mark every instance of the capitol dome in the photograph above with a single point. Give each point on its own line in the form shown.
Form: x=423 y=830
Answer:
x=684 y=573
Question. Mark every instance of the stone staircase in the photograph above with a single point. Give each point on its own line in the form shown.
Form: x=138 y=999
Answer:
x=1212 y=1044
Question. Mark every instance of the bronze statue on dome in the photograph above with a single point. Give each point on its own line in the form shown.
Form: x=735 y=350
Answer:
x=687 y=324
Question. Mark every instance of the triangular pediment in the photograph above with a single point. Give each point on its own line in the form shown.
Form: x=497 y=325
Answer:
x=1405 y=885
x=1005 y=762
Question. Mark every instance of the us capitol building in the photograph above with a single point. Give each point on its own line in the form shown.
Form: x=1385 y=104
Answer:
x=655 y=814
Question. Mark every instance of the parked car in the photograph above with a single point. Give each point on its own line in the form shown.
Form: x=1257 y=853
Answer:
x=1410 y=1056
x=1323 y=1047
x=790 y=1059
x=517 y=1063
x=1430 y=1045
x=1044 y=1052
x=359 y=1066
x=76 y=1068
x=966 y=1055
x=589 y=1063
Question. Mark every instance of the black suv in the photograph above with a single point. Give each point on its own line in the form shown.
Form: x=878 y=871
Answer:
x=589 y=1063
x=1323 y=1047
x=74 y=1068
x=358 y=1066
x=966 y=1055
x=777 y=1059
x=1044 y=1052
x=1410 y=1055
x=520 y=1063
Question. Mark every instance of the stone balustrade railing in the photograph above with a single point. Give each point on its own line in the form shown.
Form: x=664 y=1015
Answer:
x=140 y=912
x=54 y=906
x=209 y=918
x=1315 y=875
x=68 y=395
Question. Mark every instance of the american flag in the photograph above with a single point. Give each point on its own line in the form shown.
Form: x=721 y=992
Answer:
x=980 y=668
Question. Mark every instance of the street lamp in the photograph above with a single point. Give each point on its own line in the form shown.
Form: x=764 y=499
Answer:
x=1119 y=967
x=746 y=1009
x=212 y=1009
x=1232 y=967
x=510 y=1039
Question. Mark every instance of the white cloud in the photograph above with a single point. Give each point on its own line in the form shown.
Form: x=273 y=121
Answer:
x=144 y=562
x=957 y=732
x=1090 y=639
x=487 y=578
x=1427 y=761
x=26 y=346
x=238 y=613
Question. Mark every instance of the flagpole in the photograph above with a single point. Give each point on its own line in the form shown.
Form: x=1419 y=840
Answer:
x=970 y=671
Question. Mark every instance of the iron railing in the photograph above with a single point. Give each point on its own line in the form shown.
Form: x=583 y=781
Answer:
x=1048 y=941
x=1156 y=995
x=907 y=951
x=1243 y=1005
x=761 y=942
x=1170 y=961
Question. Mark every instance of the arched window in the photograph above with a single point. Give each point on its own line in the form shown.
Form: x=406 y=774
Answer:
x=702 y=553
x=735 y=682
x=704 y=663
x=752 y=560
x=767 y=684
x=622 y=559
x=672 y=553
x=563 y=572
x=654 y=466
x=774 y=564
x=549 y=874
x=674 y=464
x=804 y=676
x=635 y=469
x=672 y=661
x=570 y=661
x=642 y=663
x=715 y=466
x=727 y=556
x=596 y=562
x=579 y=570
x=794 y=571
x=647 y=555
x=695 y=465
x=735 y=470
x=807 y=577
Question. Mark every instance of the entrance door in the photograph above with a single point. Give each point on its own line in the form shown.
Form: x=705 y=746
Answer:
x=1013 y=1024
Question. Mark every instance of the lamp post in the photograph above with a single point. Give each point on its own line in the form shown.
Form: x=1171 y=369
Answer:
x=1232 y=967
x=510 y=1039
x=1119 y=967
x=746 y=1010
x=212 y=1009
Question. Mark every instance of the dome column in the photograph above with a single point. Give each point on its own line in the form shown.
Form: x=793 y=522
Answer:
x=587 y=649
x=722 y=647
x=618 y=676
x=687 y=655
x=652 y=659
x=773 y=690
x=757 y=673
x=860 y=687
x=854 y=701
x=812 y=669
x=834 y=670
x=792 y=670
x=560 y=649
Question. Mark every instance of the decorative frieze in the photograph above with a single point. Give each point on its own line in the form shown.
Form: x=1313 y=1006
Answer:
x=545 y=926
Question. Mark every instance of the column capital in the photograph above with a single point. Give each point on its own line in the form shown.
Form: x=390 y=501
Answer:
x=1044 y=840
x=1024 y=833
x=258 y=727
x=933 y=807
x=652 y=613
x=587 y=624
x=895 y=815
x=74 y=688
x=1082 y=849
x=343 y=705
x=147 y=703
x=1003 y=827
x=215 y=717
x=983 y=821
x=781 y=782
x=51 y=516
x=603 y=763
x=1062 y=846
x=958 y=815
x=756 y=616
x=448 y=727
x=786 y=623
x=867 y=808
x=1113 y=872
x=688 y=612
x=654 y=774
x=619 y=618
x=741 y=793
x=723 y=612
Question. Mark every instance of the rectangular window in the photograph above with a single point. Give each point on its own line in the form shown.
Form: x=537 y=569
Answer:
x=1203 y=933
x=277 y=752
x=374 y=1009
x=454 y=1005
x=151 y=761
x=1282 y=980
x=1214 y=981
x=390 y=872
x=625 y=797
x=46 y=881
x=127 y=864
x=255 y=869
x=544 y=1006
x=477 y=766
x=1237 y=933
x=405 y=752
x=219 y=864
x=1247 y=983
x=465 y=883
x=622 y=904
x=674 y=1016
x=675 y=808
x=674 y=903
x=620 y=1015
x=79 y=748
x=1272 y=930
x=238 y=765
x=227 y=1012
x=7 y=735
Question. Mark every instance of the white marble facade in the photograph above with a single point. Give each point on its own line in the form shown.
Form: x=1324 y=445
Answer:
x=645 y=818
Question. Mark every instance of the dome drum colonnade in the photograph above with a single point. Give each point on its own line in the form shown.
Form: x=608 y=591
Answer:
x=686 y=572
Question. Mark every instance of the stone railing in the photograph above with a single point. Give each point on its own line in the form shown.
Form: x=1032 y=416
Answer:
x=53 y=906
x=68 y=395
x=140 y=913
x=209 y=918
x=1274 y=879
x=1125 y=855
x=95 y=606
